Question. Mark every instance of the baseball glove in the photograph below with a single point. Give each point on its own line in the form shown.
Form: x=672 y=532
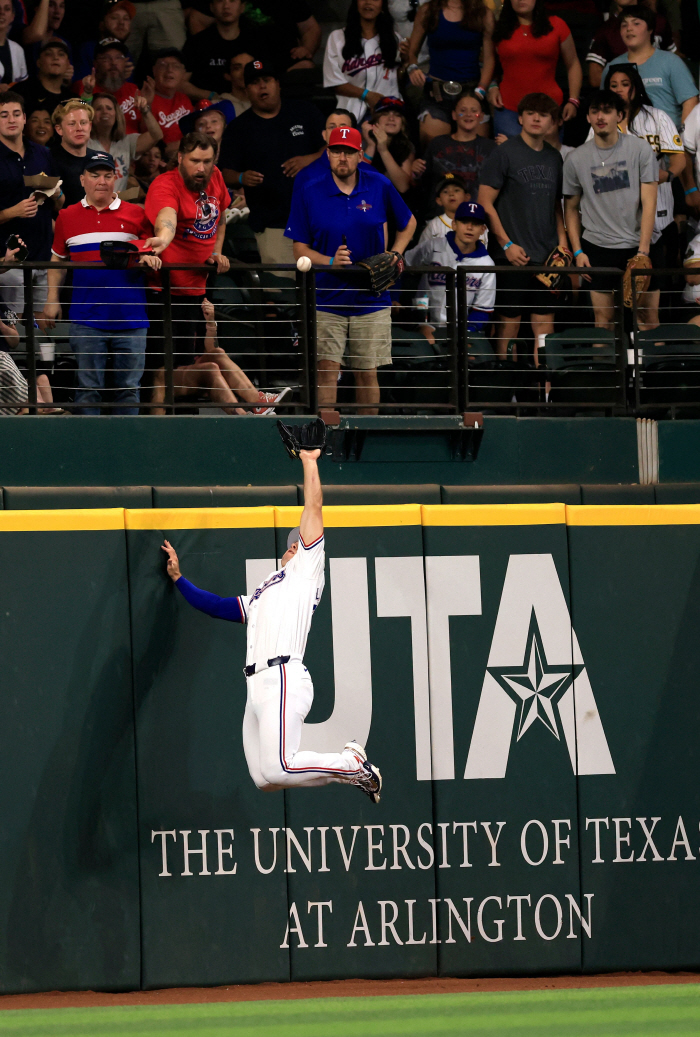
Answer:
x=121 y=255
x=311 y=436
x=638 y=262
x=383 y=271
x=557 y=257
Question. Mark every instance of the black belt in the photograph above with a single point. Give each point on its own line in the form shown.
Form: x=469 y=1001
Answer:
x=279 y=660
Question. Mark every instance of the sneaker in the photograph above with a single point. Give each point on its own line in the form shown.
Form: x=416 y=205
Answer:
x=269 y=399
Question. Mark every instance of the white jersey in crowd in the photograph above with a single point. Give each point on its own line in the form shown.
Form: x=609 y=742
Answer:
x=14 y=391
x=279 y=612
x=440 y=226
x=691 y=292
x=481 y=287
x=366 y=71
x=659 y=131
x=18 y=61
x=691 y=142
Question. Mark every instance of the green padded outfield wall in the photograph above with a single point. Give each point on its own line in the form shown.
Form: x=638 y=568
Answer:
x=524 y=675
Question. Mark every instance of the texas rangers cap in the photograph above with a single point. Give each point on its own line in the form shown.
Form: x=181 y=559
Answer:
x=293 y=536
x=471 y=211
x=100 y=160
x=258 y=70
x=346 y=137
x=390 y=104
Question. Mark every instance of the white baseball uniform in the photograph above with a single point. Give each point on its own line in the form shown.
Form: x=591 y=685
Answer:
x=280 y=693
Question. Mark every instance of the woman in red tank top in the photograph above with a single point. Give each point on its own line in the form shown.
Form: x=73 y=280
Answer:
x=528 y=43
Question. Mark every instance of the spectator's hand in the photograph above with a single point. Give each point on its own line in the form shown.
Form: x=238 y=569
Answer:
x=208 y=311
x=373 y=98
x=89 y=83
x=69 y=76
x=301 y=54
x=494 y=97
x=342 y=256
x=129 y=68
x=569 y=112
x=403 y=48
x=157 y=244
x=24 y=210
x=517 y=255
x=581 y=260
x=154 y=262
x=381 y=137
x=220 y=261
x=418 y=167
x=12 y=252
x=252 y=179
x=173 y=561
x=292 y=166
x=417 y=77
x=148 y=91
x=501 y=138
x=428 y=331
x=50 y=314
x=4 y=87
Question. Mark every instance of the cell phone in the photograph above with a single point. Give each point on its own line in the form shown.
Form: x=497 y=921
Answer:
x=14 y=242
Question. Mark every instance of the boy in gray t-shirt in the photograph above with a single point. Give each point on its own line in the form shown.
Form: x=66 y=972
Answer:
x=613 y=181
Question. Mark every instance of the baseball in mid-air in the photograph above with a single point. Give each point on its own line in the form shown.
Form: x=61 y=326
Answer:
x=303 y=264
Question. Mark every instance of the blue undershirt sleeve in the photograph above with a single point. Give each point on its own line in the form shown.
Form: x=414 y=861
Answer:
x=220 y=608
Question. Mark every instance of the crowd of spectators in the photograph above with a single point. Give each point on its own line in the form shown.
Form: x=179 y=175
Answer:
x=451 y=132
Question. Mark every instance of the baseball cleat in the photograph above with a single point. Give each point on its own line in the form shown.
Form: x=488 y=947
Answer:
x=356 y=749
x=269 y=399
x=371 y=782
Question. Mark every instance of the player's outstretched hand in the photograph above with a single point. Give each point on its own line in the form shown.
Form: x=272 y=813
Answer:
x=309 y=455
x=173 y=563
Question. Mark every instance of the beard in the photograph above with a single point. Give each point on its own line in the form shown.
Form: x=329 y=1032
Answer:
x=111 y=82
x=196 y=183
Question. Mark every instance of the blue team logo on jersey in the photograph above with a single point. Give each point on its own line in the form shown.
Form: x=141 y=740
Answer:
x=437 y=280
x=206 y=218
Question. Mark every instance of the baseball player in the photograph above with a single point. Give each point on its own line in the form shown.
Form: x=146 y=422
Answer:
x=280 y=691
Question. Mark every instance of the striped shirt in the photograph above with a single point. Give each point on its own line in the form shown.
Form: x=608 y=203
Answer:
x=111 y=300
x=13 y=386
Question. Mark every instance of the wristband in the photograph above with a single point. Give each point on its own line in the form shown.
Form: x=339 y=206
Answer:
x=689 y=191
x=412 y=68
x=574 y=100
x=507 y=245
x=364 y=93
x=479 y=91
x=240 y=178
x=492 y=83
x=640 y=252
x=331 y=262
x=212 y=95
x=578 y=252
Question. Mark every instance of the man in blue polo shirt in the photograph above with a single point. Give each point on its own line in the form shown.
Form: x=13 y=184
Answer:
x=337 y=220
x=108 y=307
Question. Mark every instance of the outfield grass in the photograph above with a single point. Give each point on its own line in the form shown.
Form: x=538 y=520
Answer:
x=613 y=1012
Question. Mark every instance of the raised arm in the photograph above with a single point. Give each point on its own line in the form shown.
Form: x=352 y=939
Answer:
x=311 y=525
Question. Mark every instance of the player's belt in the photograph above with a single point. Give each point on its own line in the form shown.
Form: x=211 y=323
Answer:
x=279 y=660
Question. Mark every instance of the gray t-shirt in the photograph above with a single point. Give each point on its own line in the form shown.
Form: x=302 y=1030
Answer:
x=608 y=180
x=529 y=183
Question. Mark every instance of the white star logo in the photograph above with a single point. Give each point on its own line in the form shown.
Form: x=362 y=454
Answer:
x=539 y=687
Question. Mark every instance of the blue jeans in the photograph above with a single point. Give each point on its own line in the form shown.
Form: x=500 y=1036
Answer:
x=505 y=121
x=92 y=347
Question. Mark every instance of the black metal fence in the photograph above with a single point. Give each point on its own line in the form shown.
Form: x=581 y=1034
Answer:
x=563 y=357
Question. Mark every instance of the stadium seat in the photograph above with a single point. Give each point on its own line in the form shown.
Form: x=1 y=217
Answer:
x=565 y=493
x=492 y=380
x=49 y=497
x=677 y=493
x=670 y=364
x=419 y=371
x=222 y=496
x=604 y=494
x=420 y=493
x=580 y=371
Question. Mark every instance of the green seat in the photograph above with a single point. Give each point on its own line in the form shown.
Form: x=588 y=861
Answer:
x=670 y=364
x=583 y=366
x=223 y=496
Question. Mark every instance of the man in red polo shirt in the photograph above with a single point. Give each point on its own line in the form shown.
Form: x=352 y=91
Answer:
x=109 y=76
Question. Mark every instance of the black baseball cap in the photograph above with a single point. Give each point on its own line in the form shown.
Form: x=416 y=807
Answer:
x=258 y=70
x=54 y=42
x=101 y=160
x=111 y=43
x=450 y=180
x=168 y=52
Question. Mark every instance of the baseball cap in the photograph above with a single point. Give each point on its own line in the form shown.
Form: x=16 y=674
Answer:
x=112 y=5
x=111 y=43
x=258 y=70
x=389 y=104
x=100 y=160
x=450 y=180
x=346 y=137
x=167 y=52
x=471 y=211
x=54 y=42
x=187 y=122
x=294 y=535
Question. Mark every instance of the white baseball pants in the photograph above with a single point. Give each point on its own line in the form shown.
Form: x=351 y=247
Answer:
x=279 y=699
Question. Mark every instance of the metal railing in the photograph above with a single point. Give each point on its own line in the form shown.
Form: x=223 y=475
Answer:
x=267 y=329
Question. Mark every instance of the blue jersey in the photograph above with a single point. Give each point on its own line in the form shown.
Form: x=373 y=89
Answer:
x=322 y=215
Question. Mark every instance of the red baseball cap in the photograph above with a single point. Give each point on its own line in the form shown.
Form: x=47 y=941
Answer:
x=347 y=137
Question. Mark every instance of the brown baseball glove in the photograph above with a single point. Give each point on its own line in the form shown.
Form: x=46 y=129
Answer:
x=383 y=271
x=638 y=262
x=556 y=258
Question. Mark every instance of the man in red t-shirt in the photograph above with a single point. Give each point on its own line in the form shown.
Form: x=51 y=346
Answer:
x=186 y=207
x=109 y=76
x=163 y=92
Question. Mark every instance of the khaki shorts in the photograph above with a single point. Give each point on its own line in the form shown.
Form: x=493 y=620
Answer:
x=362 y=342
